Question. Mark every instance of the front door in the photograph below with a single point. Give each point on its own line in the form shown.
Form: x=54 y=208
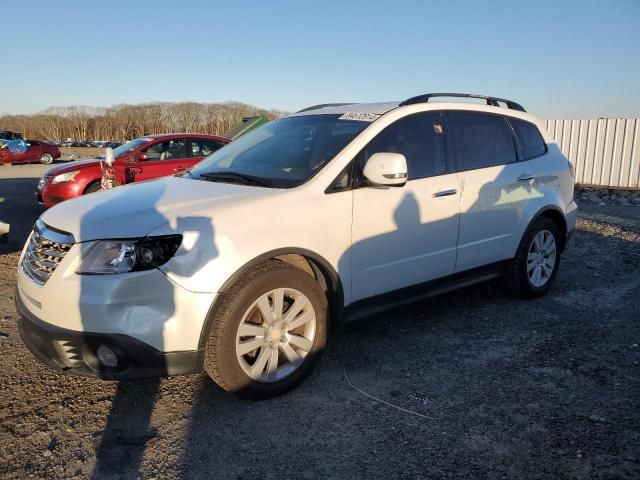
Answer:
x=407 y=235
x=166 y=157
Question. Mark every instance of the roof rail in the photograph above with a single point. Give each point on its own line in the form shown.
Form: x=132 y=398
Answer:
x=322 y=105
x=493 y=101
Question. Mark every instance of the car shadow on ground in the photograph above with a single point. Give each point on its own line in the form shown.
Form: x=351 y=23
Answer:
x=19 y=209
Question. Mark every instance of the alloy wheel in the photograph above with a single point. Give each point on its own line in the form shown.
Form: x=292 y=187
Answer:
x=541 y=258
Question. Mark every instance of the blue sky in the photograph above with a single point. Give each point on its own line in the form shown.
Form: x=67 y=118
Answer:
x=572 y=59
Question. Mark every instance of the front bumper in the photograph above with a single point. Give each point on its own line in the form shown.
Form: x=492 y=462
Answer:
x=50 y=195
x=74 y=352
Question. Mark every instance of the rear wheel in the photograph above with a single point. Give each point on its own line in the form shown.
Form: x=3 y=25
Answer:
x=537 y=260
x=268 y=332
x=46 y=159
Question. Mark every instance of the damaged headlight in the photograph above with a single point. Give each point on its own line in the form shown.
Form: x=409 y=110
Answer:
x=121 y=256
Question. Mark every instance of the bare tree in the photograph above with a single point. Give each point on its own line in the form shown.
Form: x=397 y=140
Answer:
x=124 y=122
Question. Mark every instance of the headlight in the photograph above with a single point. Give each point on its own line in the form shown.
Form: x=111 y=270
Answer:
x=65 y=177
x=121 y=256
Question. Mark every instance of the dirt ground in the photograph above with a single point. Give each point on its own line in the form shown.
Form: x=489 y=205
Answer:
x=504 y=388
x=79 y=153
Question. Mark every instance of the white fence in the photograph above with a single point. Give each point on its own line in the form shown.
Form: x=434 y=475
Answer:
x=605 y=151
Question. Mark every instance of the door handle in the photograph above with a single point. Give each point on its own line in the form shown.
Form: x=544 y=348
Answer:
x=445 y=193
x=525 y=177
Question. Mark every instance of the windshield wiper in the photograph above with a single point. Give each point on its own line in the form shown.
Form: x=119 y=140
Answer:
x=235 y=177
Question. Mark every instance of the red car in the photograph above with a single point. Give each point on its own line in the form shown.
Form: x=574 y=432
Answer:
x=144 y=158
x=29 y=151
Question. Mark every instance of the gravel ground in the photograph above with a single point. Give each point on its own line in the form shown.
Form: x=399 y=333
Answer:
x=500 y=388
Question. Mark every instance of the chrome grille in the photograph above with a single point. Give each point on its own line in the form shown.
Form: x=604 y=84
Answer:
x=43 y=180
x=46 y=249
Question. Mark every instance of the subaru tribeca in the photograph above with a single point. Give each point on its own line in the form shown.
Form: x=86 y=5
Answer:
x=236 y=266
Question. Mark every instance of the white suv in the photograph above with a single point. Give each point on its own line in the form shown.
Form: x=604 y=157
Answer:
x=237 y=265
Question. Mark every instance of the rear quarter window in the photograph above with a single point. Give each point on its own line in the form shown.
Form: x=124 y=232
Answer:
x=529 y=137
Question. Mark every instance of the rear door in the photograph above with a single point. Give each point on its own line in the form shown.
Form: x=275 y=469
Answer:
x=200 y=148
x=493 y=202
x=407 y=235
x=34 y=150
x=166 y=157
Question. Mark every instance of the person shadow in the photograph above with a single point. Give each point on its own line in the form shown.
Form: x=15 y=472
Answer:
x=128 y=430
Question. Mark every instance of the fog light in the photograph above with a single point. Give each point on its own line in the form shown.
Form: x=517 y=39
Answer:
x=107 y=357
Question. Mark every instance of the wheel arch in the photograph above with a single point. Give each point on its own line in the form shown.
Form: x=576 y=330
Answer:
x=89 y=184
x=318 y=267
x=557 y=216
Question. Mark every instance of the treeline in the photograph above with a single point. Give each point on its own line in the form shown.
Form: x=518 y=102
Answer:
x=125 y=122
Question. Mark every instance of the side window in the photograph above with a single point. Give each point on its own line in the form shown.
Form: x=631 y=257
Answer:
x=419 y=138
x=203 y=147
x=167 y=150
x=479 y=141
x=530 y=139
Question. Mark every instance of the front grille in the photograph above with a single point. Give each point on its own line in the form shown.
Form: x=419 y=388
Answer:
x=46 y=249
x=43 y=180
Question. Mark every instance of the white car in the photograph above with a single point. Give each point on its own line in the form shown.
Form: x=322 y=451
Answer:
x=236 y=266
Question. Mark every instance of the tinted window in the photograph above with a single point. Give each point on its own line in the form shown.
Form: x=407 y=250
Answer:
x=531 y=142
x=131 y=145
x=480 y=141
x=168 y=150
x=415 y=137
x=203 y=147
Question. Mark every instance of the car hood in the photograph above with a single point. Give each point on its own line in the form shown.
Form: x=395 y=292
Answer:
x=135 y=210
x=70 y=166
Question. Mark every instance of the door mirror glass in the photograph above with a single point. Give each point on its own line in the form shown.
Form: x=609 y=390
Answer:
x=388 y=169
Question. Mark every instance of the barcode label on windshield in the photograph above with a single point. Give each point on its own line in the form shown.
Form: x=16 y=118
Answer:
x=362 y=117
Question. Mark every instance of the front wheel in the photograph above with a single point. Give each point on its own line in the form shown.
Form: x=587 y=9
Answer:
x=46 y=159
x=97 y=186
x=268 y=332
x=537 y=260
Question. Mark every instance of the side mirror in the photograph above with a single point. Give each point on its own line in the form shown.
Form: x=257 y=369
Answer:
x=388 y=169
x=141 y=157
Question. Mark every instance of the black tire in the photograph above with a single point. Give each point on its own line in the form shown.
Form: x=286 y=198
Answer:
x=516 y=279
x=221 y=363
x=46 y=159
x=97 y=186
x=94 y=187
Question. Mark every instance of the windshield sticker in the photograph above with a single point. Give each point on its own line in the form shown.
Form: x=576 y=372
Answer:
x=362 y=117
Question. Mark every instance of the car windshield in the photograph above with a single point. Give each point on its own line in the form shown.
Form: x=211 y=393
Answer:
x=281 y=154
x=129 y=146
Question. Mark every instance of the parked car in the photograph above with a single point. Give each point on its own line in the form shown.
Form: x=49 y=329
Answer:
x=8 y=135
x=237 y=266
x=144 y=158
x=29 y=151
